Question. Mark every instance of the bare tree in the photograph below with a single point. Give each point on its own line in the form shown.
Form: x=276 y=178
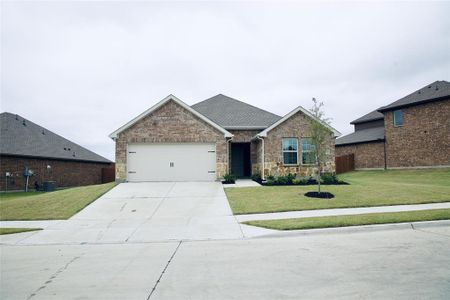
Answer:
x=320 y=136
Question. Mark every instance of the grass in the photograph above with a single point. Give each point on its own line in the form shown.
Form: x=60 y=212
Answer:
x=367 y=188
x=56 y=205
x=354 y=220
x=16 y=230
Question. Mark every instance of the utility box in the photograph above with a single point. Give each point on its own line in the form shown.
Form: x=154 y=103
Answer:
x=48 y=186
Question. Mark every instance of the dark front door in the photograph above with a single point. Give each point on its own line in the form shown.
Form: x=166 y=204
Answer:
x=240 y=159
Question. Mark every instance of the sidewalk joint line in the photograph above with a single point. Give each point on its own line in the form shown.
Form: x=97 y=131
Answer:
x=164 y=270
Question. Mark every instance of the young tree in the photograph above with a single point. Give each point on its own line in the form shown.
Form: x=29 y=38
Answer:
x=320 y=136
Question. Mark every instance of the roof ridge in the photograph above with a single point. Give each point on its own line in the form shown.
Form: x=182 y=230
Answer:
x=234 y=99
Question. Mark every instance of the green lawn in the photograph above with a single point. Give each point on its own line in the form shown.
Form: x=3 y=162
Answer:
x=56 y=205
x=16 y=230
x=354 y=220
x=367 y=188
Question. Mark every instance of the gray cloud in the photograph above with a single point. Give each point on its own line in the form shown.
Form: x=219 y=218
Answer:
x=82 y=69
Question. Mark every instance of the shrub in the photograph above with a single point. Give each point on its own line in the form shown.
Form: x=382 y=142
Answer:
x=282 y=180
x=269 y=182
x=229 y=178
x=271 y=178
x=297 y=181
x=257 y=177
x=290 y=177
x=329 y=179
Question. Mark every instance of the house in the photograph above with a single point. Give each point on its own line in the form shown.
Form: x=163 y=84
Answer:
x=173 y=141
x=411 y=132
x=26 y=145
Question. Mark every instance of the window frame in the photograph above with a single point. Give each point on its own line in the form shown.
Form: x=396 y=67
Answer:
x=289 y=151
x=313 y=164
x=394 y=119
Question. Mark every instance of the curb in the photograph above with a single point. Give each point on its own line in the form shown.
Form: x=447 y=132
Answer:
x=356 y=229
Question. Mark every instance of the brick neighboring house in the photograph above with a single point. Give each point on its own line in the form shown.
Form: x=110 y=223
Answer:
x=411 y=132
x=172 y=141
x=24 y=144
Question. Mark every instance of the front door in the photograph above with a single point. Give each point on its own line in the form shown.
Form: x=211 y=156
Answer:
x=240 y=159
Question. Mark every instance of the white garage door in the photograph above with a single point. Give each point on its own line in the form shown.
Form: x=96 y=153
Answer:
x=171 y=162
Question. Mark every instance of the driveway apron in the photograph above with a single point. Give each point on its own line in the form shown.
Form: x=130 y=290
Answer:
x=147 y=211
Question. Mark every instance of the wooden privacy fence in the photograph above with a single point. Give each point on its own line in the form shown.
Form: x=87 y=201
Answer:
x=108 y=175
x=345 y=163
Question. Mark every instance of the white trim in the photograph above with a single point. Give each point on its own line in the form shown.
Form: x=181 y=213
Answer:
x=161 y=103
x=286 y=117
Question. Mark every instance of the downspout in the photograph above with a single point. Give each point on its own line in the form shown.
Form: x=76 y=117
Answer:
x=262 y=149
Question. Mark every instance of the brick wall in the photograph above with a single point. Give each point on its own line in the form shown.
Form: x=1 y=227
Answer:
x=171 y=123
x=424 y=138
x=367 y=155
x=297 y=126
x=65 y=173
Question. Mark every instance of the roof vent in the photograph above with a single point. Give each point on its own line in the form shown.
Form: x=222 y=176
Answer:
x=73 y=154
x=65 y=148
x=418 y=92
x=43 y=132
x=17 y=117
x=437 y=88
x=429 y=86
x=23 y=123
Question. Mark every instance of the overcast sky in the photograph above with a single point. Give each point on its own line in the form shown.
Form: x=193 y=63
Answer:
x=83 y=69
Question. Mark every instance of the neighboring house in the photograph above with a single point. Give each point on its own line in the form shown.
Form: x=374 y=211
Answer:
x=408 y=133
x=172 y=141
x=24 y=144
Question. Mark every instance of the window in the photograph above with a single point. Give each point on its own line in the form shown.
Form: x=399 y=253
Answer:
x=290 y=151
x=308 y=152
x=398 y=117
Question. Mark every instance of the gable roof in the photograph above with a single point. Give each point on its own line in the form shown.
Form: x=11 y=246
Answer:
x=372 y=116
x=292 y=113
x=431 y=92
x=362 y=136
x=234 y=114
x=161 y=103
x=21 y=137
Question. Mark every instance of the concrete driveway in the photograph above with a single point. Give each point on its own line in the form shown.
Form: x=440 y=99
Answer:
x=147 y=211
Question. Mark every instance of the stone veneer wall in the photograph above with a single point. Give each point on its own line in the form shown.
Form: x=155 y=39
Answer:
x=65 y=173
x=297 y=126
x=171 y=123
x=367 y=155
x=424 y=138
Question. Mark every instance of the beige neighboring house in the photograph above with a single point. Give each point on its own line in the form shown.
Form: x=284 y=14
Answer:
x=173 y=141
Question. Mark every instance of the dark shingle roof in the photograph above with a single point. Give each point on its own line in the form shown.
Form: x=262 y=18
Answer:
x=22 y=137
x=431 y=92
x=231 y=113
x=362 y=136
x=372 y=116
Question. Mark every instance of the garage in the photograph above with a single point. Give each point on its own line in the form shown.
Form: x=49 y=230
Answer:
x=171 y=162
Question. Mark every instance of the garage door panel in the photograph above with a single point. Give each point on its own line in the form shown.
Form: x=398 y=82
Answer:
x=171 y=162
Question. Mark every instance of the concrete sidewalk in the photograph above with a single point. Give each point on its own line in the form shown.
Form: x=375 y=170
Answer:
x=340 y=211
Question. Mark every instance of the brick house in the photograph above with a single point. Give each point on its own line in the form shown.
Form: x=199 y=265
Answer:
x=24 y=144
x=173 y=141
x=411 y=132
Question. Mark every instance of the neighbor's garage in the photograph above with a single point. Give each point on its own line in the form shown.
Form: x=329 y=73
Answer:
x=171 y=162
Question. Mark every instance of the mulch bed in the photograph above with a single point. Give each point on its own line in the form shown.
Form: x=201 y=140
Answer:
x=322 y=195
